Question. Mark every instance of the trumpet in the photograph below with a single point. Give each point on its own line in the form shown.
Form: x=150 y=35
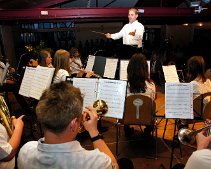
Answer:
x=188 y=137
x=84 y=71
x=101 y=107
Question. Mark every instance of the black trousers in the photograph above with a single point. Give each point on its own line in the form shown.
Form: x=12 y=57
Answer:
x=127 y=51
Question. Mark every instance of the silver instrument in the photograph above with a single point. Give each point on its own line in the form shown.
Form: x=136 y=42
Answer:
x=188 y=137
x=78 y=69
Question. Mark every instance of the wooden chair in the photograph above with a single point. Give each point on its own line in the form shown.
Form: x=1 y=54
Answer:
x=139 y=110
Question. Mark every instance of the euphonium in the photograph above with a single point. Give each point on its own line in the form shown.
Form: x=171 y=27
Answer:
x=101 y=107
x=188 y=137
x=5 y=118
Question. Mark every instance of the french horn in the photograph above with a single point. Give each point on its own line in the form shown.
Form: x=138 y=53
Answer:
x=101 y=108
x=5 y=118
x=188 y=137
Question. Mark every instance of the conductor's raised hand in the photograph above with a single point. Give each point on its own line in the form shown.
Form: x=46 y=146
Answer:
x=132 y=33
x=91 y=124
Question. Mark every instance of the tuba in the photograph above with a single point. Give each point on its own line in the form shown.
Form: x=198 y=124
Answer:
x=5 y=118
x=188 y=137
x=101 y=107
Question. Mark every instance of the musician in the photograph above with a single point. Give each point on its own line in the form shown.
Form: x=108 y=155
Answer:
x=201 y=84
x=132 y=34
x=75 y=60
x=62 y=66
x=201 y=158
x=60 y=113
x=139 y=82
x=10 y=145
x=45 y=58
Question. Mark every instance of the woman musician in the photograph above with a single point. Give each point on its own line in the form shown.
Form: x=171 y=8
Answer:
x=62 y=67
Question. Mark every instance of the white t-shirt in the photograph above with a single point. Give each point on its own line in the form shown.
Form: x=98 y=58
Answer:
x=69 y=155
x=5 y=149
x=60 y=76
x=200 y=159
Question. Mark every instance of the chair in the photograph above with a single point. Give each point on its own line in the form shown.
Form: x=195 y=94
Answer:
x=139 y=110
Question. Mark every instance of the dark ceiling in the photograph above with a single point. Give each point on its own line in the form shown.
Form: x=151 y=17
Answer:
x=104 y=10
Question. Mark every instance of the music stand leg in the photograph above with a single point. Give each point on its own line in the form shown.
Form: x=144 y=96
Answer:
x=173 y=145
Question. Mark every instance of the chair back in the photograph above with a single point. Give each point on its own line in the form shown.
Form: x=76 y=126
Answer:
x=139 y=110
x=199 y=107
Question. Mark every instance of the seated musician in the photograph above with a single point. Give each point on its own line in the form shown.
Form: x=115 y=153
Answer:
x=196 y=76
x=201 y=158
x=45 y=58
x=62 y=66
x=75 y=60
x=139 y=81
x=59 y=110
x=9 y=145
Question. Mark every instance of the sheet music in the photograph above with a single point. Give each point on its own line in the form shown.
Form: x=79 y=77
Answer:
x=42 y=80
x=27 y=80
x=179 y=100
x=90 y=63
x=88 y=89
x=123 y=69
x=113 y=93
x=170 y=73
x=110 y=68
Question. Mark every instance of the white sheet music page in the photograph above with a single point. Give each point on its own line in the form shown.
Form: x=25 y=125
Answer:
x=110 y=68
x=41 y=81
x=27 y=81
x=88 y=89
x=123 y=69
x=170 y=73
x=179 y=100
x=113 y=93
x=90 y=63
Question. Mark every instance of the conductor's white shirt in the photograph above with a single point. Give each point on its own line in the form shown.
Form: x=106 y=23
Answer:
x=129 y=39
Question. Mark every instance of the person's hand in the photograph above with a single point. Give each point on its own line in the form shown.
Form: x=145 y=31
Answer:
x=132 y=33
x=89 y=73
x=202 y=141
x=80 y=73
x=108 y=35
x=17 y=123
x=91 y=124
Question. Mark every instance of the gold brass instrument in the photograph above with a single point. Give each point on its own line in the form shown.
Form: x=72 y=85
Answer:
x=101 y=107
x=5 y=118
x=188 y=137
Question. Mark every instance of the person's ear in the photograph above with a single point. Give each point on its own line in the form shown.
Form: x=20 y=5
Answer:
x=74 y=125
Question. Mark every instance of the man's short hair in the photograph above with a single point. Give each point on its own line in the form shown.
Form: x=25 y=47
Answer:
x=134 y=10
x=58 y=106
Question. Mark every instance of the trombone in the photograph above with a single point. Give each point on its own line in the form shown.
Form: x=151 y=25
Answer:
x=188 y=137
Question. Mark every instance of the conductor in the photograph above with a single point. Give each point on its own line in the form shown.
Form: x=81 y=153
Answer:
x=132 y=34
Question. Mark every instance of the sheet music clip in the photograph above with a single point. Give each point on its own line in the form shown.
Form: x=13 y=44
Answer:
x=69 y=79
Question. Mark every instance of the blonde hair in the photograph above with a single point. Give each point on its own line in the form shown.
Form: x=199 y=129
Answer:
x=62 y=60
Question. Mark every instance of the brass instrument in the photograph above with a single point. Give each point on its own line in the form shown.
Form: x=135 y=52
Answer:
x=188 y=137
x=101 y=107
x=5 y=118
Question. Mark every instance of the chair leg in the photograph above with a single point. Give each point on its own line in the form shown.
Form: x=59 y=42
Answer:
x=156 y=142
